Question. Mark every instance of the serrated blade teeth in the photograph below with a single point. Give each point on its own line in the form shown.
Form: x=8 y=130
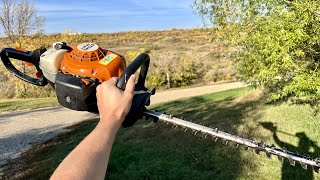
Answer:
x=292 y=162
x=280 y=158
x=268 y=154
x=214 y=138
x=225 y=142
x=304 y=166
x=257 y=151
x=228 y=138
x=155 y=120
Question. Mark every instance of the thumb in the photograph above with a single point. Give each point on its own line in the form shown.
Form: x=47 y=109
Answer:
x=130 y=85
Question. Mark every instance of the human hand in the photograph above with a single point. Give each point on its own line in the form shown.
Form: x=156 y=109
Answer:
x=113 y=103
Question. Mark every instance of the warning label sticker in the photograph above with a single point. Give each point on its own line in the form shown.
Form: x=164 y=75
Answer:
x=106 y=60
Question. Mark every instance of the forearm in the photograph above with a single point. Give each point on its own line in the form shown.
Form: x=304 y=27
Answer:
x=89 y=159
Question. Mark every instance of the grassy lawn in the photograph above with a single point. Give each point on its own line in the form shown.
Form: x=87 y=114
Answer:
x=155 y=151
x=7 y=105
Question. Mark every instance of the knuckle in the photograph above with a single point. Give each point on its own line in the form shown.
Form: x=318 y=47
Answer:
x=129 y=95
x=114 y=79
x=98 y=88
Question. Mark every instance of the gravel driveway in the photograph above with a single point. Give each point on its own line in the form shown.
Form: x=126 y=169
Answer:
x=20 y=129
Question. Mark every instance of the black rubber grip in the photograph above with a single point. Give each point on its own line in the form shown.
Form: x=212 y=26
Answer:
x=143 y=61
x=28 y=56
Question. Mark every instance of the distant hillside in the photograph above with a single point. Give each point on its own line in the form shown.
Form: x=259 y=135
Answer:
x=179 y=57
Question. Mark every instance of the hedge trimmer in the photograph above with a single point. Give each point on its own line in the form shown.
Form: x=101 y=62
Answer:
x=75 y=72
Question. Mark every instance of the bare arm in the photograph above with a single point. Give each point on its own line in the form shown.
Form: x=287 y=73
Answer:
x=90 y=158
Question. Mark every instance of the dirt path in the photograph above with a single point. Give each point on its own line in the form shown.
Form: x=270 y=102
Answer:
x=20 y=129
x=172 y=95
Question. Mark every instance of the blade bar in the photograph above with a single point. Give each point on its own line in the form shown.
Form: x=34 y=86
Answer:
x=281 y=153
x=197 y=127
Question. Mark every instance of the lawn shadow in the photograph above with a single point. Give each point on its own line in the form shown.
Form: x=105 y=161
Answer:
x=155 y=151
x=182 y=155
x=227 y=114
x=304 y=146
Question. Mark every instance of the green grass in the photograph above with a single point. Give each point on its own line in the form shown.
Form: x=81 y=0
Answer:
x=7 y=105
x=155 y=151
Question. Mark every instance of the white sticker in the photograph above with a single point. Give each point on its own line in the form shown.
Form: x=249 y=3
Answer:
x=88 y=47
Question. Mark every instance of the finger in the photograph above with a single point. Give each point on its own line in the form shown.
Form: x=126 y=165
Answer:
x=130 y=84
x=98 y=88
x=112 y=81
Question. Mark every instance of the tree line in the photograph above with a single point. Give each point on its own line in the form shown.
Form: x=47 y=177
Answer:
x=278 y=43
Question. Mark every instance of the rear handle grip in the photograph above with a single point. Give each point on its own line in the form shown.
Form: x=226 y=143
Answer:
x=28 y=56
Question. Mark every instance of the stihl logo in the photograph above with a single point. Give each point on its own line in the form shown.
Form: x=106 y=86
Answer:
x=87 y=47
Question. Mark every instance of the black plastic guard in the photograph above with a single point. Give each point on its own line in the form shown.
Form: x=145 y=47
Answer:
x=74 y=94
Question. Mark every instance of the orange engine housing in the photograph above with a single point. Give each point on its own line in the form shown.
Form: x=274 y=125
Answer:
x=88 y=60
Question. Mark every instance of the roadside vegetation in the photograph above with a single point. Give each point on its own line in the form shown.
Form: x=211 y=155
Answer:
x=278 y=44
x=178 y=57
x=156 y=151
x=9 y=105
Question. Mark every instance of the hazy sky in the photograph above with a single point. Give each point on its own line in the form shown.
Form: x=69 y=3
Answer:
x=94 y=16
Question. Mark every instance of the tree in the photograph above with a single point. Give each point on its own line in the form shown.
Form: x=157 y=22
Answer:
x=19 y=19
x=278 y=43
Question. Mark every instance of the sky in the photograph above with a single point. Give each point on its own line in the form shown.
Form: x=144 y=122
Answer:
x=99 y=16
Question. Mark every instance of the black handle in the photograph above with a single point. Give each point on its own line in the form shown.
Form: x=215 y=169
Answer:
x=140 y=100
x=143 y=61
x=28 y=56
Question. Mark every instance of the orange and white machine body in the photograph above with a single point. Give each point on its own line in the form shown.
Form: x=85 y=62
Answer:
x=85 y=60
